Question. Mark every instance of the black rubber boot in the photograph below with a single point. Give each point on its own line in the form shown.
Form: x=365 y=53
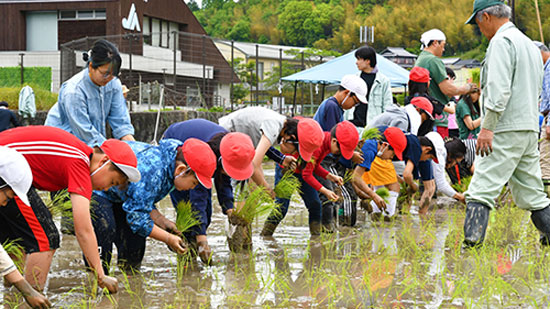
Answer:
x=475 y=224
x=541 y=220
x=269 y=229
x=315 y=228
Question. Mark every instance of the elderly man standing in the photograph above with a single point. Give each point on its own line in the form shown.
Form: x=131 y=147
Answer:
x=441 y=87
x=544 y=145
x=511 y=79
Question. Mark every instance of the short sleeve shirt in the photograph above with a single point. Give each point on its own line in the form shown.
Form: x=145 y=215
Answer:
x=255 y=121
x=369 y=149
x=463 y=110
x=438 y=74
x=58 y=159
x=201 y=129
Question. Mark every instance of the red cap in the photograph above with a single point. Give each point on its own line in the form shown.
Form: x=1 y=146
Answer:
x=347 y=137
x=419 y=75
x=237 y=153
x=397 y=140
x=123 y=157
x=310 y=137
x=201 y=159
x=424 y=104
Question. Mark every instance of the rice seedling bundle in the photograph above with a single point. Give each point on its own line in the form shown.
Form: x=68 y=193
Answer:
x=384 y=193
x=287 y=185
x=186 y=217
x=254 y=203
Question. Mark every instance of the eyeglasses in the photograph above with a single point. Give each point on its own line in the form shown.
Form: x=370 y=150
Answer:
x=107 y=74
x=355 y=98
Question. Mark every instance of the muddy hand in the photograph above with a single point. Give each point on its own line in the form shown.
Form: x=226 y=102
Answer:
x=357 y=158
x=379 y=202
x=336 y=179
x=32 y=296
x=236 y=220
x=205 y=253
x=289 y=162
x=171 y=228
x=332 y=196
x=177 y=244
x=110 y=283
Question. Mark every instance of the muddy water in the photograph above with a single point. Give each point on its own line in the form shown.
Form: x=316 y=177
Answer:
x=368 y=265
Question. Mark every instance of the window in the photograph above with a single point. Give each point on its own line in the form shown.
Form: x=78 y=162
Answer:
x=158 y=32
x=82 y=15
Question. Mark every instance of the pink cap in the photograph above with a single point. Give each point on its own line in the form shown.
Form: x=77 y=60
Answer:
x=310 y=137
x=237 y=152
x=347 y=137
x=201 y=159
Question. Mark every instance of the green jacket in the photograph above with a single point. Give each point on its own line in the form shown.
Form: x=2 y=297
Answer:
x=511 y=82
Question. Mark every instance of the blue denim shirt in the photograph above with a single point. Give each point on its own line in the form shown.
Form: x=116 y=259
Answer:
x=156 y=165
x=83 y=109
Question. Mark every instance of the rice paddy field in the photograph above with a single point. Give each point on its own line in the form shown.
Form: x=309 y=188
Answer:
x=413 y=261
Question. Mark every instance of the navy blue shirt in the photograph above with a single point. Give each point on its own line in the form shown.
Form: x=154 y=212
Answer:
x=369 y=149
x=7 y=117
x=329 y=114
x=200 y=197
x=413 y=151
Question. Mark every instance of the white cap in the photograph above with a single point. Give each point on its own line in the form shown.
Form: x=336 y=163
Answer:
x=432 y=35
x=16 y=172
x=357 y=85
x=439 y=145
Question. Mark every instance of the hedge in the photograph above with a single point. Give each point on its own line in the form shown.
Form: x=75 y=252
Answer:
x=40 y=77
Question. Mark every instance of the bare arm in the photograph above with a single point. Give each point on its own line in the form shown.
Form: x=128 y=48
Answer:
x=449 y=89
x=358 y=181
x=471 y=124
x=173 y=241
x=258 y=175
x=429 y=190
x=86 y=238
x=128 y=137
x=408 y=176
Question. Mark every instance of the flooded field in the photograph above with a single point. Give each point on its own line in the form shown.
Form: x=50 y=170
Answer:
x=411 y=262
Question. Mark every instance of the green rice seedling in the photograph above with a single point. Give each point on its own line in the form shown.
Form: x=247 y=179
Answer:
x=186 y=217
x=463 y=185
x=384 y=193
x=372 y=133
x=60 y=205
x=287 y=185
x=254 y=203
x=15 y=250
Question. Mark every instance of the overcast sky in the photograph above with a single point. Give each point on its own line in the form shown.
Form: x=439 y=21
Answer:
x=199 y=2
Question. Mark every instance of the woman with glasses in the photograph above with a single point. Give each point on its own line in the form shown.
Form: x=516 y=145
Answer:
x=93 y=97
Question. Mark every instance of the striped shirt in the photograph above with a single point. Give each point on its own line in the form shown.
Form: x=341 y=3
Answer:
x=58 y=159
x=470 y=151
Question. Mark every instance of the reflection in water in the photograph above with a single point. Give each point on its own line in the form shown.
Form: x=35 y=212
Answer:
x=411 y=262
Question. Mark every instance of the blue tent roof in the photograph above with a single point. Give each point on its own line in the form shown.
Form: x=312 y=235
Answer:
x=331 y=72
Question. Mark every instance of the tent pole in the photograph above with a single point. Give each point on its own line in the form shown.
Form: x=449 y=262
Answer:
x=294 y=100
x=323 y=93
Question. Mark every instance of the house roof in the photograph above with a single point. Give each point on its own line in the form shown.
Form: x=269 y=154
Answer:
x=397 y=52
x=266 y=50
x=450 y=61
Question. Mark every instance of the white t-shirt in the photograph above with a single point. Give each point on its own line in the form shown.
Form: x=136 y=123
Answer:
x=255 y=121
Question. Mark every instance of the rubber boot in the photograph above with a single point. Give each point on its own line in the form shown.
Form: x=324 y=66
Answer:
x=475 y=224
x=541 y=220
x=269 y=229
x=315 y=228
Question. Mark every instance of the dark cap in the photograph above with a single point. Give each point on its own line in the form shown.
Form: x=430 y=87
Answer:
x=481 y=5
x=4 y=104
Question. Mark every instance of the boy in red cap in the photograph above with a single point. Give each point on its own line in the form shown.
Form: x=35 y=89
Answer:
x=267 y=128
x=234 y=153
x=59 y=160
x=377 y=169
x=126 y=217
x=341 y=140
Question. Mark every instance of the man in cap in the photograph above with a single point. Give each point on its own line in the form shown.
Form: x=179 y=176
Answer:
x=16 y=180
x=59 y=160
x=511 y=79
x=544 y=108
x=352 y=92
x=441 y=88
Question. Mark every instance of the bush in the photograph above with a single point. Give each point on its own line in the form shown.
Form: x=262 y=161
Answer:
x=44 y=99
x=40 y=77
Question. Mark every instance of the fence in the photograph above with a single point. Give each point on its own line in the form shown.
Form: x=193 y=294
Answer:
x=201 y=71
